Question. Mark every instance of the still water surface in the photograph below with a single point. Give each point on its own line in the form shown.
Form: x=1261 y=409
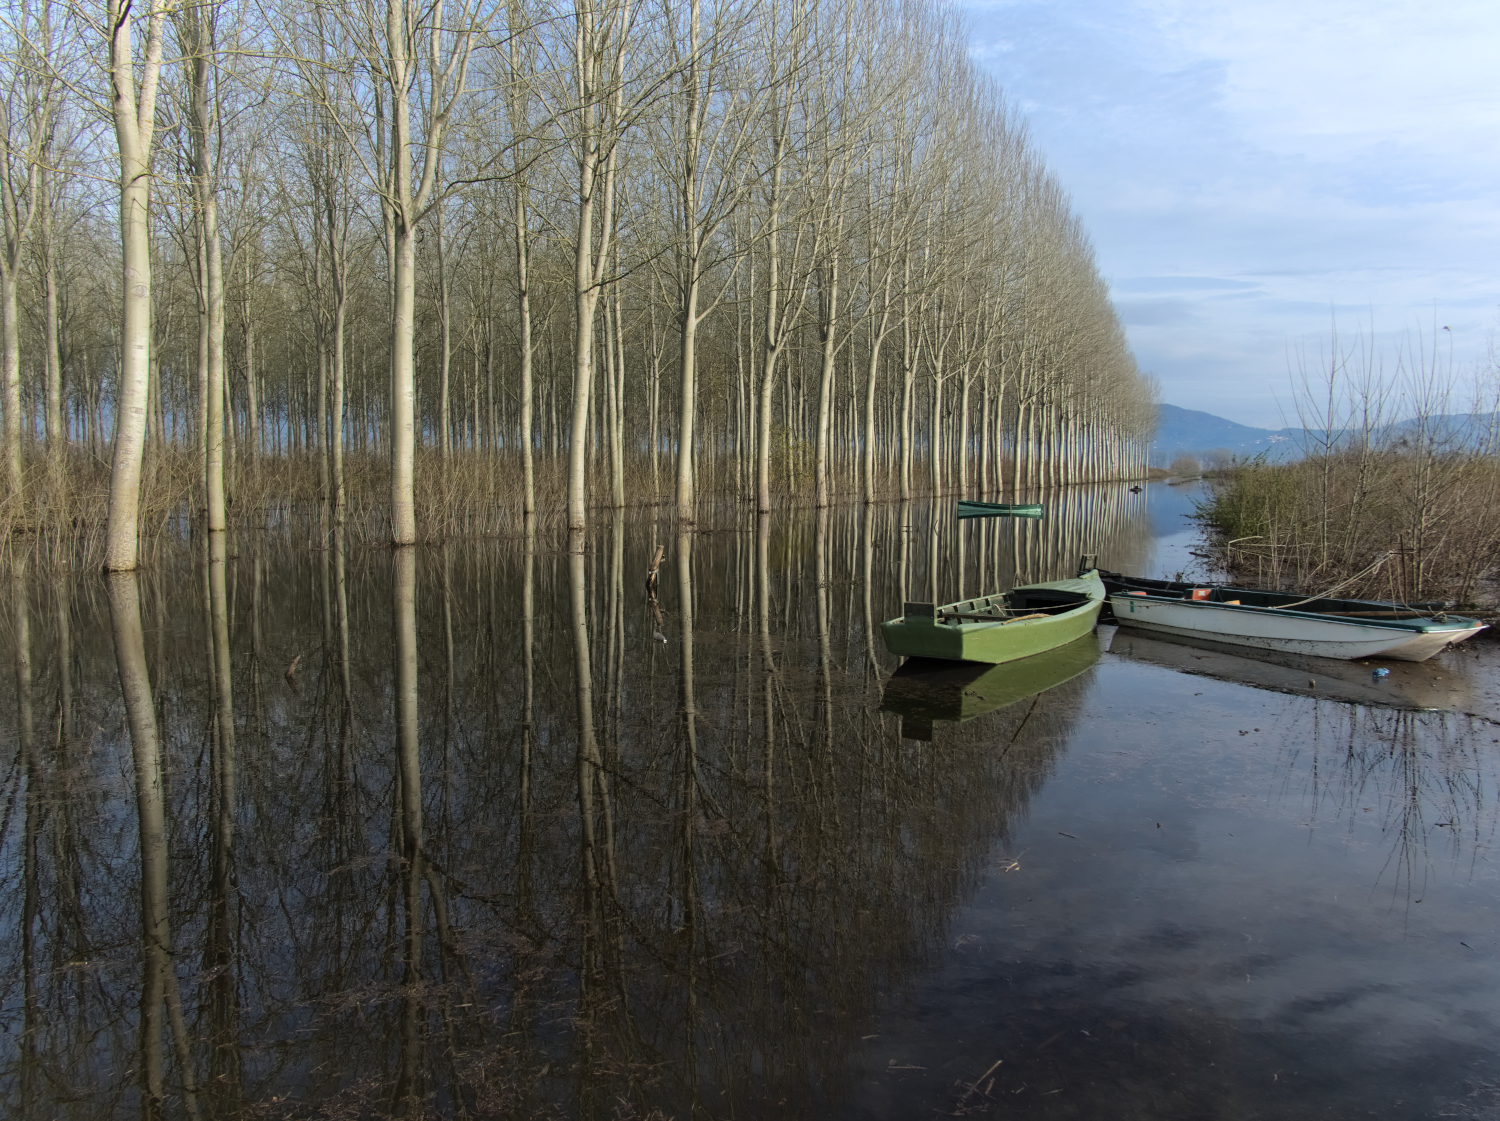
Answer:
x=487 y=831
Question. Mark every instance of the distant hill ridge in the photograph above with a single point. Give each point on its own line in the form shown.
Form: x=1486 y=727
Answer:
x=1190 y=432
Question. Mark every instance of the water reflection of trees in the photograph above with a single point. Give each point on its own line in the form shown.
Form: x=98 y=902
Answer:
x=1424 y=779
x=453 y=829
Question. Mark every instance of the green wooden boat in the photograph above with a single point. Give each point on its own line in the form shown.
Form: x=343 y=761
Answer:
x=925 y=690
x=968 y=509
x=1001 y=627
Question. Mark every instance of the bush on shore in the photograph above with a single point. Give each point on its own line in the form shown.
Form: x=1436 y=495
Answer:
x=1430 y=512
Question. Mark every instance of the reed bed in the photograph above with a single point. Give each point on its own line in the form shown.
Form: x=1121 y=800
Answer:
x=60 y=513
x=62 y=508
x=1422 y=518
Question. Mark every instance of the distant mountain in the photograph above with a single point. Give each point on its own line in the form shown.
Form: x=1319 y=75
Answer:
x=1460 y=429
x=1189 y=432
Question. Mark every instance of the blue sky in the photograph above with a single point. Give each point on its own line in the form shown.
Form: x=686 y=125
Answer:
x=1253 y=170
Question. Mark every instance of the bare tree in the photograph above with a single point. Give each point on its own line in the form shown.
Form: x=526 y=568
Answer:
x=417 y=59
x=787 y=230
x=28 y=110
x=197 y=27
x=596 y=122
x=821 y=220
x=134 y=111
x=705 y=137
x=520 y=91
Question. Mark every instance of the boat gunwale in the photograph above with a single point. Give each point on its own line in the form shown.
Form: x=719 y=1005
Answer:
x=1086 y=605
x=1087 y=602
x=1417 y=626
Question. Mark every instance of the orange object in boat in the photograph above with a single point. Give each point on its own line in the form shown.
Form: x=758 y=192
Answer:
x=1201 y=593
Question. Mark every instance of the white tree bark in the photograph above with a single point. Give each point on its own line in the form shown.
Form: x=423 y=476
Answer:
x=196 y=32
x=600 y=35
x=134 y=112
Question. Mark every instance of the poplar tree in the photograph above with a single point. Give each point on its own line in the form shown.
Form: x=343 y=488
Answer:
x=134 y=115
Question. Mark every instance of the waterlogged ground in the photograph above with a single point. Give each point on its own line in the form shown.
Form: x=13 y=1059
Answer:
x=301 y=831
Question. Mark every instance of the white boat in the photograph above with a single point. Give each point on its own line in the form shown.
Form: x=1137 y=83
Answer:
x=1323 y=628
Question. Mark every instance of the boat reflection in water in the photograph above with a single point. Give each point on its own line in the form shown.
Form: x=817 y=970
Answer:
x=925 y=690
x=1410 y=685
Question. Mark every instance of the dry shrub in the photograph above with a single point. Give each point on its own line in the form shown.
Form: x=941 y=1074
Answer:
x=1322 y=520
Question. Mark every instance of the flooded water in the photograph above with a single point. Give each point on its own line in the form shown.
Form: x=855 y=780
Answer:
x=485 y=830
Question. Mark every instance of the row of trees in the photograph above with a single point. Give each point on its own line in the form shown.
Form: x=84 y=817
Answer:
x=605 y=248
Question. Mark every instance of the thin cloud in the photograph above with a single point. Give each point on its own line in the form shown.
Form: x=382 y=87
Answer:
x=1260 y=161
x=1182 y=284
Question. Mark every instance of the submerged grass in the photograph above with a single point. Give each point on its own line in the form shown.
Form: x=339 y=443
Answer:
x=62 y=509
x=63 y=505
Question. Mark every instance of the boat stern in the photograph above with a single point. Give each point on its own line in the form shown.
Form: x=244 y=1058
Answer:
x=918 y=634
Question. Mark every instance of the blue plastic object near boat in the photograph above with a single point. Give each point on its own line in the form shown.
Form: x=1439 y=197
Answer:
x=1381 y=672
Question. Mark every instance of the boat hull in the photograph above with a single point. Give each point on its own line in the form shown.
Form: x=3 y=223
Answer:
x=1296 y=633
x=1000 y=641
x=971 y=509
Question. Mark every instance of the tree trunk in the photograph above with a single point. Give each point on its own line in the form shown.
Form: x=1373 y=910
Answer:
x=51 y=332
x=252 y=394
x=445 y=333
x=10 y=380
x=403 y=390
x=688 y=407
x=826 y=371
x=215 y=389
x=134 y=117
x=528 y=393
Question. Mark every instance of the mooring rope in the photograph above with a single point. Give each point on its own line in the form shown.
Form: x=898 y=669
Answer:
x=1380 y=560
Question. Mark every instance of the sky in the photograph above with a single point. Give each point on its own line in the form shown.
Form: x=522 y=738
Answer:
x=1258 y=174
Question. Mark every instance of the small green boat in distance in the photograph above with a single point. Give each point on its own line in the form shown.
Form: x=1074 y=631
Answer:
x=968 y=509
x=1001 y=627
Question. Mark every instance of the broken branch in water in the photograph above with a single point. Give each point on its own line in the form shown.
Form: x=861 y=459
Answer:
x=974 y=1086
x=661 y=551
